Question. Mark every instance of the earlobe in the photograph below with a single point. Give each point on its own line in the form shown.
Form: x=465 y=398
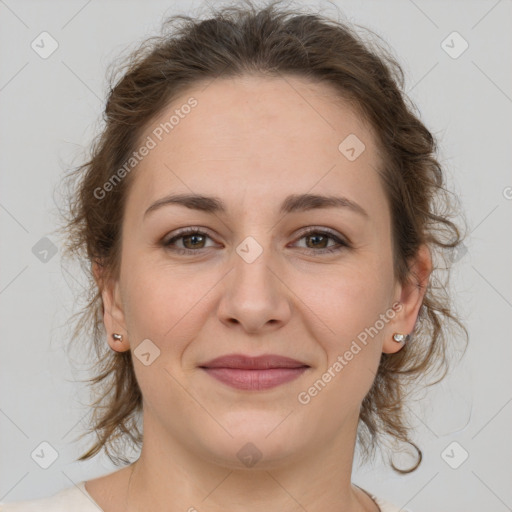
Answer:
x=396 y=343
x=411 y=295
x=117 y=343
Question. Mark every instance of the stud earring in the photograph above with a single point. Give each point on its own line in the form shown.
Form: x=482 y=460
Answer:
x=401 y=338
x=117 y=337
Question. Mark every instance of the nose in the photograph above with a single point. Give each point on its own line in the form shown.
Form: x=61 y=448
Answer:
x=254 y=295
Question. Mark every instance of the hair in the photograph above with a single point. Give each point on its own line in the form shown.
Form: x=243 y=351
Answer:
x=270 y=41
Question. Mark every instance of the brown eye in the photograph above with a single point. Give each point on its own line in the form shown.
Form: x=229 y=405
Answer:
x=318 y=241
x=192 y=241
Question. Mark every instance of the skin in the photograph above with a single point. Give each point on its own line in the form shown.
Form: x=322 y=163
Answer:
x=252 y=141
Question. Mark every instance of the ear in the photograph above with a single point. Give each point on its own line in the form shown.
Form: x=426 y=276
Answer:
x=113 y=313
x=410 y=295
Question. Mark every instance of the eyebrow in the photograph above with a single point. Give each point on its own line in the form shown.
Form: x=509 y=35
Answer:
x=293 y=203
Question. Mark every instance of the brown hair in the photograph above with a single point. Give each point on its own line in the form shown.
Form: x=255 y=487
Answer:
x=270 y=41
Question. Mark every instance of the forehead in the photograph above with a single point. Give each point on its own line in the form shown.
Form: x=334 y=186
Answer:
x=258 y=138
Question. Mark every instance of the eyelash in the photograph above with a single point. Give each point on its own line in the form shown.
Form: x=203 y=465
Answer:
x=342 y=244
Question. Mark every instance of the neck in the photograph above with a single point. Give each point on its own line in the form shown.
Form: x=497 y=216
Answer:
x=172 y=476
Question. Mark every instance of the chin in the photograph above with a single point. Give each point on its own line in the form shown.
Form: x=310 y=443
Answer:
x=259 y=441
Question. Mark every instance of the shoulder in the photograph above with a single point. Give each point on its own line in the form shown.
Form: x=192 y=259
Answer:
x=74 y=498
x=383 y=505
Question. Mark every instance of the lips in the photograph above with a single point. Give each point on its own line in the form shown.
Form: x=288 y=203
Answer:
x=254 y=373
x=263 y=362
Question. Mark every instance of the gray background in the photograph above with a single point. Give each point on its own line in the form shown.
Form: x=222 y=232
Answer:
x=50 y=110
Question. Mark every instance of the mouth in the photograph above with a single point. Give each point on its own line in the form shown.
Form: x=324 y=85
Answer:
x=254 y=373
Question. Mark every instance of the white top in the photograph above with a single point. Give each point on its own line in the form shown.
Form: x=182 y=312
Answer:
x=77 y=499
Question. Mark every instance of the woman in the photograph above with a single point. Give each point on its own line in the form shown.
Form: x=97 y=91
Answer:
x=260 y=218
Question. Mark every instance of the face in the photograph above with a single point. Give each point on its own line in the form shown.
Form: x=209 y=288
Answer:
x=263 y=273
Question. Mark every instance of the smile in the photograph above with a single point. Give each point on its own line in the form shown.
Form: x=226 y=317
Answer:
x=254 y=373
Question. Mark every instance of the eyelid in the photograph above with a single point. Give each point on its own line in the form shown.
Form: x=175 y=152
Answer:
x=186 y=231
x=304 y=231
x=324 y=230
x=341 y=241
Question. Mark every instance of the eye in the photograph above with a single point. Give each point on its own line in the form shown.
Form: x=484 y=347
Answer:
x=318 y=240
x=193 y=240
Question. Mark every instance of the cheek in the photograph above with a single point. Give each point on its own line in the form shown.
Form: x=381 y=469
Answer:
x=350 y=334
x=164 y=302
x=351 y=308
x=164 y=306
